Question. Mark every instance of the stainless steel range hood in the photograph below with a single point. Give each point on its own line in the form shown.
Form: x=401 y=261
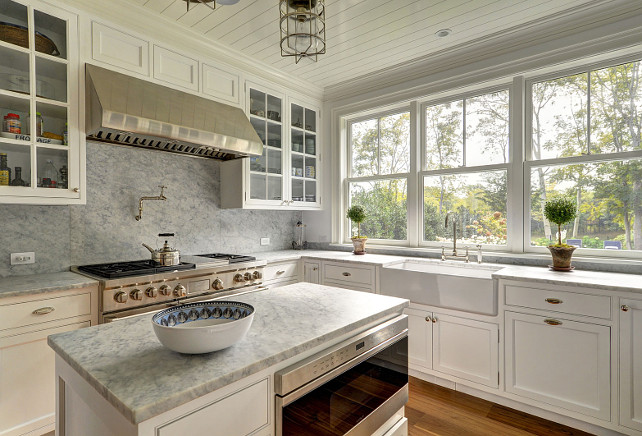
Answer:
x=129 y=111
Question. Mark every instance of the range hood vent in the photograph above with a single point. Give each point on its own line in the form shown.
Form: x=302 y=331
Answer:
x=129 y=111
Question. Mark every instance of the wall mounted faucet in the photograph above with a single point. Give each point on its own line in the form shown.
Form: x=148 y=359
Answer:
x=140 y=202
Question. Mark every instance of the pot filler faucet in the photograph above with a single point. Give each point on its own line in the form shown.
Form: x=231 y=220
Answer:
x=140 y=202
x=453 y=218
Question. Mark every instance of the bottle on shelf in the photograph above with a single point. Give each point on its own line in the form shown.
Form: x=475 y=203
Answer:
x=64 y=174
x=50 y=175
x=65 y=135
x=5 y=171
x=18 y=180
x=40 y=125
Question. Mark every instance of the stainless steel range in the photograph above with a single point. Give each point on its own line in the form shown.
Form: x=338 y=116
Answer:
x=138 y=287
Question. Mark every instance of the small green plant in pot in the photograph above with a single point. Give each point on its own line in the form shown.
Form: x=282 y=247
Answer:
x=560 y=211
x=357 y=214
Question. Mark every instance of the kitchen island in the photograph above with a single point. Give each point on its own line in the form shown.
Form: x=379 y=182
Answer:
x=117 y=379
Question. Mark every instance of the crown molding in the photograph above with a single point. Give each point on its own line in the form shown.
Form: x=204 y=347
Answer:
x=160 y=29
x=601 y=24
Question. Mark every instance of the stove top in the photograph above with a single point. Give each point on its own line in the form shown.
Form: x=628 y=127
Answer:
x=232 y=258
x=133 y=268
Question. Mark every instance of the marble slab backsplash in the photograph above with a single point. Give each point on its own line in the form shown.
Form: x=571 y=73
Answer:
x=105 y=230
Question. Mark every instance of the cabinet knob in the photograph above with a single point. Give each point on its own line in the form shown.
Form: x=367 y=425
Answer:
x=434 y=319
x=346 y=274
x=552 y=322
x=43 y=310
x=76 y=189
x=624 y=308
x=428 y=319
x=554 y=301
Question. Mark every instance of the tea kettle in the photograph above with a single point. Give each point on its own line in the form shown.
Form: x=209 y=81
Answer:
x=166 y=256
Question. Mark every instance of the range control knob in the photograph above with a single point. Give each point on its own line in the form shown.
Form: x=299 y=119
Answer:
x=136 y=294
x=256 y=275
x=247 y=276
x=151 y=292
x=165 y=290
x=238 y=278
x=180 y=291
x=121 y=297
x=217 y=284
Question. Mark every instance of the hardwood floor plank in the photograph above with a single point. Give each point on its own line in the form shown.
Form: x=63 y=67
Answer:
x=438 y=411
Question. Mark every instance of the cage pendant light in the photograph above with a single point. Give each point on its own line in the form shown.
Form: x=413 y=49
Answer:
x=302 y=28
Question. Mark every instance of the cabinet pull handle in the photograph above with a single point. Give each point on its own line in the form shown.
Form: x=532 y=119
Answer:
x=43 y=310
x=280 y=272
x=552 y=322
x=554 y=301
x=624 y=308
x=428 y=319
x=346 y=274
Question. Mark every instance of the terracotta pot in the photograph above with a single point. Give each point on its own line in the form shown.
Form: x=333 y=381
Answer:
x=359 y=245
x=562 y=256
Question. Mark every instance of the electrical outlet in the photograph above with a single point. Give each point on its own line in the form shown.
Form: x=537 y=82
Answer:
x=265 y=241
x=23 y=258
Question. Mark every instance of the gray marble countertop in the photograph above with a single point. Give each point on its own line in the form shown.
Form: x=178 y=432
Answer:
x=41 y=283
x=581 y=278
x=115 y=358
x=341 y=256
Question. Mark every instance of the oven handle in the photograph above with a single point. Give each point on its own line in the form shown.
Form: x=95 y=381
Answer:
x=298 y=393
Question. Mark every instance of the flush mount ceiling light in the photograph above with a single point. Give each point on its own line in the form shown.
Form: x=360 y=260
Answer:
x=212 y=6
x=443 y=33
x=302 y=28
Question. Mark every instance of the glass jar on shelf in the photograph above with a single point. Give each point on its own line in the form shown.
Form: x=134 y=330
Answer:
x=40 y=124
x=12 y=124
x=50 y=175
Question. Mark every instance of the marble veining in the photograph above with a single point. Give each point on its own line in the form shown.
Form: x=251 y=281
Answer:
x=115 y=358
x=105 y=230
x=42 y=283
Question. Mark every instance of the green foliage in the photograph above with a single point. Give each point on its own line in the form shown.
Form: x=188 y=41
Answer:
x=356 y=214
x=560 y=210
x=385 y=202
x=592 y=242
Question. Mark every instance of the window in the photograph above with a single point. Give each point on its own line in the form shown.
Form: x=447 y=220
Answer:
x=585 y=129
x=378 y=175
x=465 y=169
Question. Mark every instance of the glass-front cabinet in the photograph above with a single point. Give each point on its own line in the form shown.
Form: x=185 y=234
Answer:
x=40 y=160
x=286 y=175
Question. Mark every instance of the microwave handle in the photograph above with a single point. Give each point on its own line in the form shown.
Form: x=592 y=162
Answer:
x=298 y=393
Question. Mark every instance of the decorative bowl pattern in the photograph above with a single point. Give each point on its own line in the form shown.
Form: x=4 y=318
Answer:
x=203 y=327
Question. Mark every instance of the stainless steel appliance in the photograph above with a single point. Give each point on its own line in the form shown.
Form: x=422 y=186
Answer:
x=129 y=111
x=138 y=287
x=353 y=388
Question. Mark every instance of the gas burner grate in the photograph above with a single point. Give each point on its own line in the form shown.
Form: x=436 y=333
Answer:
x=134 y=268
x=232 y=258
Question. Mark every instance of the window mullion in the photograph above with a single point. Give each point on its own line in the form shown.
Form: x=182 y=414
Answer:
x=463 y=133
x=588 y=112
x=518 y=184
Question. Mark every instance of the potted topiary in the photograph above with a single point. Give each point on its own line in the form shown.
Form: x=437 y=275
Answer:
x=560 y=211
x=357 y=214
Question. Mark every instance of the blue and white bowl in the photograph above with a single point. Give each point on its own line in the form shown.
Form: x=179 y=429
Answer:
x=203 y=327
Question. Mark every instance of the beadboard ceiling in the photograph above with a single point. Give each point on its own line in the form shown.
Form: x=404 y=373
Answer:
x=364 y=36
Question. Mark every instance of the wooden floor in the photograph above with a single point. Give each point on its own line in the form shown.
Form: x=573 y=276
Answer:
x=434 y=410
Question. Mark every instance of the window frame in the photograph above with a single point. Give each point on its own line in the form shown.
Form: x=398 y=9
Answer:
x=530 y=164
x=422 y=173
x=348 y=179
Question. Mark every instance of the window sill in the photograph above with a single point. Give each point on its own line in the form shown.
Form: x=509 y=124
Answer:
x=596 y=263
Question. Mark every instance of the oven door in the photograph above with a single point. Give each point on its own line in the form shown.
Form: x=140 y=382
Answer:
x=356 y=398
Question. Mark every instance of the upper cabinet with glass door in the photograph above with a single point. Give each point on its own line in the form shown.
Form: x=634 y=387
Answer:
x=39 y=139
x=304 y=156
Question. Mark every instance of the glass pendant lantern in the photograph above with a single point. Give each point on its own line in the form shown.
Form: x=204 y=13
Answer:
x=302 y=28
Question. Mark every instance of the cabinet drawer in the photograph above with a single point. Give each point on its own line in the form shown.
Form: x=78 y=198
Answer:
x=363 y=276
x=44 y=310
x=559 y=301
x=347 y=285
x=239 y=414
x=284 y=270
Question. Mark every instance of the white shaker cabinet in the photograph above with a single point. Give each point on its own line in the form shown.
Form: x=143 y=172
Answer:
x=559 y=362
x=119 y=49
x=464 y=348
x=221 y=84
x=175 y=68
x=312 y=272
x=631 y=363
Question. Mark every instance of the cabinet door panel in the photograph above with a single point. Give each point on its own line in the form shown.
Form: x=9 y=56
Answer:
x=631 y=364
x=311 y=272
x=466 y=348
x=419 y=338
x=175 y=68
x=220 y=84
x=27 y=380
x=119 y=49
x=566 y=365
